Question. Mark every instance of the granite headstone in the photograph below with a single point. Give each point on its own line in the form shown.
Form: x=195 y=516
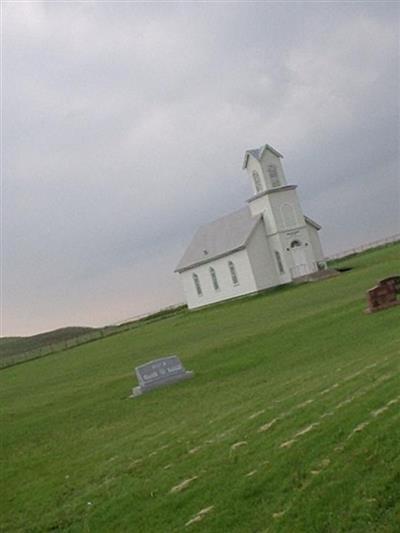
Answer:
x=159 y=373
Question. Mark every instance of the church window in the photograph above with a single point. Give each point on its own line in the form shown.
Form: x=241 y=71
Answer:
x=288 y=216
x=257 y=181
x=279 y=261
x=295 y=243
x=232 y=270
x=196 y=281
x=214 y=279
x=273 y=174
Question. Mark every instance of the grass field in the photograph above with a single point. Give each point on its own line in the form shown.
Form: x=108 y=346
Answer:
x=291 y=423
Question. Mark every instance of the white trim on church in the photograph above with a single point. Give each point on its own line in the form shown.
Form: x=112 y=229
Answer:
x=268 y=243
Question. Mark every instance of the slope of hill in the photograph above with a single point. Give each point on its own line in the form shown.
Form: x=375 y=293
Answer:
x=291 y=423
x=10 y=346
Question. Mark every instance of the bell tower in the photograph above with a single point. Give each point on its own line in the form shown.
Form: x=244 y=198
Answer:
x=274 y=198
x=278 y=203
x=264 y=168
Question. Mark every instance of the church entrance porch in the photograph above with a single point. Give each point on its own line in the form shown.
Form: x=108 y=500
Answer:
x=300 y=264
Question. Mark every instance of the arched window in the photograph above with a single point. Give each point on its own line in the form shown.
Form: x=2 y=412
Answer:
x=232 y=270
x=295 y=243
x=196 y=281
x=273 y=175
x=257 y=181
x=214 y=279
x=279 y=261
x=288 y=216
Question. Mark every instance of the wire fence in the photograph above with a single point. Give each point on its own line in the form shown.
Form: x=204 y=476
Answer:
x=96 y=334
x=41 y=351
x=363 y=247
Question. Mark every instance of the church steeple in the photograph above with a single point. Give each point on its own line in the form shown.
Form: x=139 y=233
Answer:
x=264 y=168
x=274 y=198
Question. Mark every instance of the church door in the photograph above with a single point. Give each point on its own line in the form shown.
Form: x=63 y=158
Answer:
x=300 y=267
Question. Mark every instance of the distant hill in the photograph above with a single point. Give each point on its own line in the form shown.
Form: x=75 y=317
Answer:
x=14 y=350
x=15 y=345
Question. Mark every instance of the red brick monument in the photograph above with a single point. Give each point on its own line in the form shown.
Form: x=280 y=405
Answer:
x=384 y=295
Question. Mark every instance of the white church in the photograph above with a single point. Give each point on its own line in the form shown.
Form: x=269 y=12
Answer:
x=267 y=243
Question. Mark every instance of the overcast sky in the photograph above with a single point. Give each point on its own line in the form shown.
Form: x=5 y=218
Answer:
x=125 y=126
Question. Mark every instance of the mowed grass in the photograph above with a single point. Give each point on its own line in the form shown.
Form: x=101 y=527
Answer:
x=291 y=423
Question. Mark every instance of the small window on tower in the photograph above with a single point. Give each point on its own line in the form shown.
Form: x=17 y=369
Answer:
x=273 y=174
x=257 y=181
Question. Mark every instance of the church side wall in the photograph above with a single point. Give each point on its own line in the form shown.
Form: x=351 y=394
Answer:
x=315 y=243
x=261 y=259
x=227 y=289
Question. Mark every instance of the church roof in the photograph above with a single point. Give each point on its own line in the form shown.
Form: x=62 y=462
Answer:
x=257 y=153
x=216 y=239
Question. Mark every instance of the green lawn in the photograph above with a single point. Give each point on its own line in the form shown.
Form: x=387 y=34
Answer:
x=291 y=423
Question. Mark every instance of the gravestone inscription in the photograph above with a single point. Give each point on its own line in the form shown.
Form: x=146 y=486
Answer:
x=159 y=373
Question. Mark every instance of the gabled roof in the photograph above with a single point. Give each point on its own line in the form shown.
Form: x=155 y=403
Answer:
x=257 y=153
x=216 y=239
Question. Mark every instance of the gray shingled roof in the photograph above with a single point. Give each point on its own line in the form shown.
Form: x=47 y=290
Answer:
x=256 y=152
x=219 y=238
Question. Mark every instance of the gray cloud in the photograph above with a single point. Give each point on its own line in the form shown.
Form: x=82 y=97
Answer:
x=125 y=127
